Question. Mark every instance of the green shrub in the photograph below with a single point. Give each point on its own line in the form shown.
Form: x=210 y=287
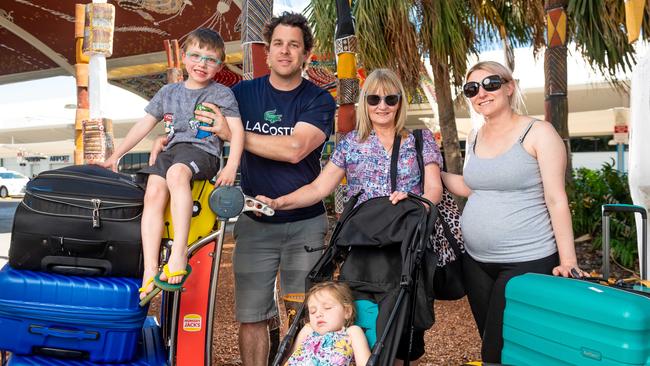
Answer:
x=588 y=192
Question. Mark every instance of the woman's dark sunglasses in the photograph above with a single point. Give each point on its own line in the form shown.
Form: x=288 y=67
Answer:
x=490 y=84
x=390 y=100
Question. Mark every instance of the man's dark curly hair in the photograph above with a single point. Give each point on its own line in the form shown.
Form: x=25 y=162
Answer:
x=292 y=20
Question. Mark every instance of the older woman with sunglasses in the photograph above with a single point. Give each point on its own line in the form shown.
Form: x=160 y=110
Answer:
x=517 y=217
x=364 y=155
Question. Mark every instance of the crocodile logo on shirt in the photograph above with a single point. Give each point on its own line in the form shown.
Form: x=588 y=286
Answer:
x=272 y=117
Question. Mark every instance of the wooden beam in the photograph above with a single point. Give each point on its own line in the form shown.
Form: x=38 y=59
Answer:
x=45 y=49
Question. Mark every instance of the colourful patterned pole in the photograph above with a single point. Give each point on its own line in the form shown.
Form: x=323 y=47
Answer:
x=345 y=48
x=81 y=76
x=255 y=13
x=97 y=130
x=347 y=88
x=556 y=106
x=634 y=10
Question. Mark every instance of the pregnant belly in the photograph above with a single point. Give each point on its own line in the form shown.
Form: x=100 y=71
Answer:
x=495 y=228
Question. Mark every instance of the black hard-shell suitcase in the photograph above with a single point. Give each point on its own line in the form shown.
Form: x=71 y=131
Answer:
x=82 y=220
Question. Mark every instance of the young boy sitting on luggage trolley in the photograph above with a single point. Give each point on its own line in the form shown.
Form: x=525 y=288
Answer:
x=191 y=153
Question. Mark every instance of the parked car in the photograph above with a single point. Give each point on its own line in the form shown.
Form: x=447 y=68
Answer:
x=12 y=183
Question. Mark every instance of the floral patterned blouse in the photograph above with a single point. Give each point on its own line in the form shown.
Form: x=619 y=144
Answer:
x=367 y=164
x=329 y=349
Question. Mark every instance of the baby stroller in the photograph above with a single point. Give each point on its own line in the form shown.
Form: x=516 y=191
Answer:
x=382 y=252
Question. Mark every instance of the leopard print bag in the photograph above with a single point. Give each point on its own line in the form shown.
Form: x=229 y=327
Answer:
x=446 y=240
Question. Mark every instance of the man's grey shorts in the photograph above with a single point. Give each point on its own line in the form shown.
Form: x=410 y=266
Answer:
x=261 y=250
x=202 y=164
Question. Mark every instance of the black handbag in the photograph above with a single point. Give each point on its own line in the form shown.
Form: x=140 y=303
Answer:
x=446 y=240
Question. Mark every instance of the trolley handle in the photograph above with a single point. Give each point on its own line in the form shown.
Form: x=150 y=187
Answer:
x=619 y=207
x=229 y=201
x=255 y=205
x=607 y=209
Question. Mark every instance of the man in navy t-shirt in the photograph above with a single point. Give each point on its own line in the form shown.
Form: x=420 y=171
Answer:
x=287 y=120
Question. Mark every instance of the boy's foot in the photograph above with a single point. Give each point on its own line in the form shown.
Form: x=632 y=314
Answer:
x=176 y=264
x=166 y=286
x=147 y=283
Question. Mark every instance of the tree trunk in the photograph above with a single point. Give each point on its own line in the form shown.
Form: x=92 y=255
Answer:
x=556 y=105
x=450 y=144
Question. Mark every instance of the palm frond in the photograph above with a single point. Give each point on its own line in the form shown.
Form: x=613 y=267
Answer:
x=387 y=38
x=321 y=15
x=447 y=35
x=599 y=34
x=522 y=22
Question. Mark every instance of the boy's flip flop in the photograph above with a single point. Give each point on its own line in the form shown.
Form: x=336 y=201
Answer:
x=145 y=300
x=151 y=294
x=160 y=285
x=172 y=287
x=146 y=284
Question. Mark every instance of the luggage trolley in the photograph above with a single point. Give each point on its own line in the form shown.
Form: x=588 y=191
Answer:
x=187 y=316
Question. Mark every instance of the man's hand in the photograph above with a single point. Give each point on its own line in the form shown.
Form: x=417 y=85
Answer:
x=219 y=125
x=269 y=201
x=156 y=148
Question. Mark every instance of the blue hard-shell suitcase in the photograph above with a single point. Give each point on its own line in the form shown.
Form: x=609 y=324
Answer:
x=150 y=352
x=561 y=321
x=94 y=318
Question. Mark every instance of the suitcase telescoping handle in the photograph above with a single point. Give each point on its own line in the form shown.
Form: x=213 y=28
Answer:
x=63 y=333
x=607 y=210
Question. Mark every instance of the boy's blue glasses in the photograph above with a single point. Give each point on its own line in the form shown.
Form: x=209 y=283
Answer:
x=210 y=61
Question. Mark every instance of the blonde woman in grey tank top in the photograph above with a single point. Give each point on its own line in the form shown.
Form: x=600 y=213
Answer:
x=517 y=216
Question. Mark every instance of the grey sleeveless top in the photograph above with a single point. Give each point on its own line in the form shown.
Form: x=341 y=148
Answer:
x=506 y=219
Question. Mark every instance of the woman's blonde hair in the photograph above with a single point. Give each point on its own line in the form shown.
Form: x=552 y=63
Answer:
x=341 y=292
x=495 y=68
x=386 y=81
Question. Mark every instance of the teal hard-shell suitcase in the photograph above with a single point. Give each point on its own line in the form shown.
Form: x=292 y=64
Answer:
x=562 y=321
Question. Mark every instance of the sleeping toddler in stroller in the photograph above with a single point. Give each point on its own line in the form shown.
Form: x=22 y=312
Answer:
x=330 y=337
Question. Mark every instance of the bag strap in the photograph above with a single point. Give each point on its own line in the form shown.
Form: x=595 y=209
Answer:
x=450 y=237
x=418 y=148
x=393 y=162
x=419 y=143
